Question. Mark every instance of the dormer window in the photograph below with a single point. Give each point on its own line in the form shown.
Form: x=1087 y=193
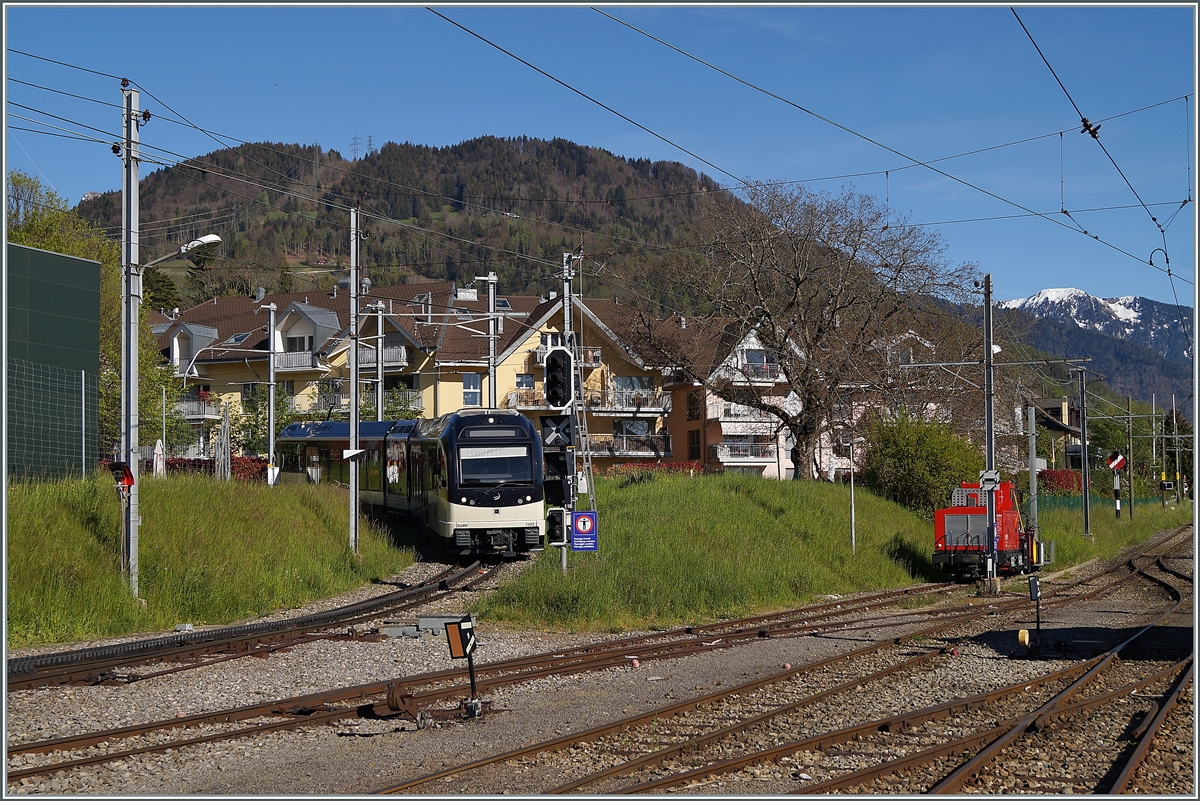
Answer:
x=298 y=344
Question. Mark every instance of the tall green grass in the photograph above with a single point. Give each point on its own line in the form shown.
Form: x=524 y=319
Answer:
x=209 y=552
x=679 y=549
x=1109 y=535
x=686 y=549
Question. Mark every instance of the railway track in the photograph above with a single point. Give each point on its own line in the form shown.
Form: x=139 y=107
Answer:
x=732 y=740
x=110 y=664
x=424 y=697
x=432 y=696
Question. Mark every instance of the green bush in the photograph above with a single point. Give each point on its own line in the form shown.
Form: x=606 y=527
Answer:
x=916 y=463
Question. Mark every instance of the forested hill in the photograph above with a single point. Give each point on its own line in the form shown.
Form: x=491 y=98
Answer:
x=448 y=213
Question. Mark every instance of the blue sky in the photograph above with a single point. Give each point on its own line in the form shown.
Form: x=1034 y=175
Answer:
x=928 y=82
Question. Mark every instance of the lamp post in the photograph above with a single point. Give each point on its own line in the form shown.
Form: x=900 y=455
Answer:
x=131 y=286
x=852 y=442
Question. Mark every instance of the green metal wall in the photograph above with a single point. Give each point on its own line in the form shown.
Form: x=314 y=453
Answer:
x=52 y=321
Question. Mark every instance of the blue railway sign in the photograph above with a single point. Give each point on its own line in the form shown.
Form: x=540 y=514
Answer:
x=583 y=531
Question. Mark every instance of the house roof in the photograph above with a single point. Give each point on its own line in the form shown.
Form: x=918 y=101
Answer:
x=235 y=315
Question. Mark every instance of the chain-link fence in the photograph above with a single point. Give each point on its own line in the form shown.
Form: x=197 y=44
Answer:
x=52 y=421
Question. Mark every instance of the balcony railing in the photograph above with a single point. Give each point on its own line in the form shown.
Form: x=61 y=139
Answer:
x=526 y=399
x=586 y=357
x=626 y=401
x=395 y=356
x=649 y=446
x=736 y=413
x=741 y=451
x=760 y=372
x=297 y=360
x=196 y=409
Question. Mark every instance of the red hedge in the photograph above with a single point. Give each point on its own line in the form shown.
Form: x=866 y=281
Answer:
x=633 y=468
x=1060 y=482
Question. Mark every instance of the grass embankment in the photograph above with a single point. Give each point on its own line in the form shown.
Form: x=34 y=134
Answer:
x=1109 y=535
x=681 y=549
x=209 y=552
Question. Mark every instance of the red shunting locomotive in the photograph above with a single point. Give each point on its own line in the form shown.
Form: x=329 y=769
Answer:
x=960 y=535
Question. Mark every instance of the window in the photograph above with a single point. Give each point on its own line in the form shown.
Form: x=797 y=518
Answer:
x=693 y=444
x=631 y=428
x=249 y=391
x=761 y=364
x=695 y=408
x=471 y=386
x=633 y=383
x=297 y=344
x=524 y=380
x=491 y=465
x=289 y=388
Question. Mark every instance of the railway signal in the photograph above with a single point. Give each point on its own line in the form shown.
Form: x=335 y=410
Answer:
x=557 y=430
x=1115 y=463
x=461 y=637
x=560 y=383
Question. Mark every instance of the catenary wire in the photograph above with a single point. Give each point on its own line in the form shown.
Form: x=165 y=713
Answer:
x=864 y=137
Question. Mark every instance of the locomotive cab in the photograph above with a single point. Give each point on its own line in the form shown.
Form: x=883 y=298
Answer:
x=960 y=534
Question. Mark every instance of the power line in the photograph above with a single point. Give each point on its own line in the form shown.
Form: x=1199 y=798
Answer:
x=915 y=162
x=589 y=98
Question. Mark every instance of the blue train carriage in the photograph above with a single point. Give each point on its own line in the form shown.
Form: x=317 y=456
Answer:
x=474 y=479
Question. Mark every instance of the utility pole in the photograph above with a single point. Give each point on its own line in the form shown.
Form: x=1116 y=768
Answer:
x=132 y=291
x=990 y=434
x=568 y=341
x=1129 y=448
x=1175 y=447
x=378 y=361
x=353 y=466
x=1083 y=454
x=491 y=282
x=271 y=468
x=1033 y=485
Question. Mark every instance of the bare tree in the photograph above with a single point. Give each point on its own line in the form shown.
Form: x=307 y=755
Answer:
x=830 y=291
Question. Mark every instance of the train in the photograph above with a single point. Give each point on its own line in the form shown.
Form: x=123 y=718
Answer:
x=472 y=478
x=960 y=535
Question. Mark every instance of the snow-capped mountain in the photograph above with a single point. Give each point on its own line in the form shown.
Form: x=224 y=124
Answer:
x=1162 y=327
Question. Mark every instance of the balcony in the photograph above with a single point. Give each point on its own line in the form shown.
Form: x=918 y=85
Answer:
x=746 y=451
x=395 y=356
x=195 y=409
x=650 y=446
x=736 y=413
x=297 y=360
x=584 y=357
x=523 y=399
x=626 y=402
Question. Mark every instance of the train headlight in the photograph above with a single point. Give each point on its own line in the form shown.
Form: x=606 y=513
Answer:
x=529 y=497
x=464 y=500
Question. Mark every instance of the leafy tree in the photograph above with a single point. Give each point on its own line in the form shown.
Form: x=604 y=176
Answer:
x=917 y=463
x=250 y=429
x=829 y=286
x=159 y=291
x=38 y=217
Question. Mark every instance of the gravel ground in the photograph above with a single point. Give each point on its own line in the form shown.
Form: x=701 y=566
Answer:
x=360 y=756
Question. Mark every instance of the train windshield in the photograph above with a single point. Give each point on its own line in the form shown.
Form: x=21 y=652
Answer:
x=488 y=465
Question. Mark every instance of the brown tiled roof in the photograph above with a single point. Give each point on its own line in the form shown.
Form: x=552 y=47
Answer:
x=235 y=315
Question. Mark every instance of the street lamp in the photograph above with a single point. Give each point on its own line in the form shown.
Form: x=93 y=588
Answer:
x=852 y=442
x=131 y=277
